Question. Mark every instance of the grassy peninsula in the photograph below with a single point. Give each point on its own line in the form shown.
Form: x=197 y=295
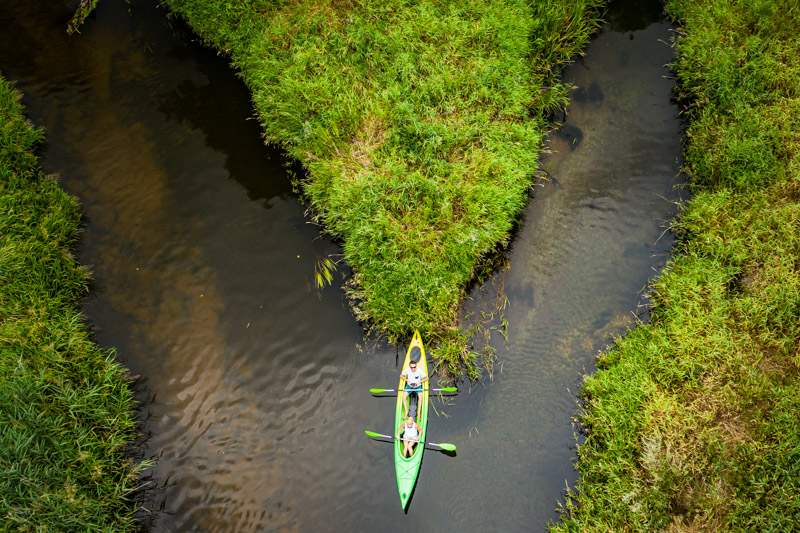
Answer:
x=65 y=408
x=693 y=421
x=420 y=126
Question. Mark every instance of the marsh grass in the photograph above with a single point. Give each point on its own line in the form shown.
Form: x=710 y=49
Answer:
x=420 y=125
x=691 y=422
x=65 y=408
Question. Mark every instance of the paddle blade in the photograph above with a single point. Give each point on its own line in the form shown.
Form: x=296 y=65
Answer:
x=373 y=434
x=377 y=391
x=449 y=389
x=447 y=446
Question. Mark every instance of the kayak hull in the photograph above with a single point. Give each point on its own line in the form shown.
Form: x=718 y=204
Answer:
x=407 y=468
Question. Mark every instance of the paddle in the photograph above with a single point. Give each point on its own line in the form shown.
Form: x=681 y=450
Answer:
x=443 y=445
x=443 y=389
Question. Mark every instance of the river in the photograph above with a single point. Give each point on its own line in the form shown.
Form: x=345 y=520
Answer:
x=253 y=385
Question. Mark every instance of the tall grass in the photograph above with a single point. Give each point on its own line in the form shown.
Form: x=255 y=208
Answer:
x=419 y=124
x=65 y=407
x=691 y=421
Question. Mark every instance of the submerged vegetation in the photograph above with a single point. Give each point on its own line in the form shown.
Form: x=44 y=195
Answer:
x=420 y=126
x=65 y=408
x=692 y=420
x=85 y=8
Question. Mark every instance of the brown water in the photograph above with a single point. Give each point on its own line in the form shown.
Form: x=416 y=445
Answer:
x=254 y=387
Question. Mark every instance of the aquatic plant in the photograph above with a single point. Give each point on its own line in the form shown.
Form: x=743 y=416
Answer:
x=420 y=126
x=84 y=9
x=691 y=420
x=323 y=272
x=65 y=406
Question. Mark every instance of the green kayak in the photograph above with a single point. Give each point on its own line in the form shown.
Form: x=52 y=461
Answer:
x=407 y=468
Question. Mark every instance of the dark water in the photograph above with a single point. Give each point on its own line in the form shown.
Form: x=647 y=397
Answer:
x=254 y=386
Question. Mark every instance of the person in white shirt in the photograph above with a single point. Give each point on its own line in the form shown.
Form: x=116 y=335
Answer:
x=414 y=378
x=409 y=432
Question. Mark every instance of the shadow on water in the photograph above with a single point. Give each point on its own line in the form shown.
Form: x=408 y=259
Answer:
x=255 y=388
x=628 y=16
x=239 y=139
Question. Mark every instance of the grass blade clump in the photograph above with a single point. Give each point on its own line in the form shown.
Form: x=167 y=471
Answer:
x=85 y=7
x=65 y=408
x=691 y=421
x=419 y=123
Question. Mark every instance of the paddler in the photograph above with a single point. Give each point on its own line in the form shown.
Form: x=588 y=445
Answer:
x=409 y=433
x=414 y=378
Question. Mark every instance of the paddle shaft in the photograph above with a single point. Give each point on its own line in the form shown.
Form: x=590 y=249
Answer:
x=442 y=445
x=443 y=389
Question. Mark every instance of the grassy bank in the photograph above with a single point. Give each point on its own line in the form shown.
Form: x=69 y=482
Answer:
x=65 y=409
x=420 y=125
x=693 y=421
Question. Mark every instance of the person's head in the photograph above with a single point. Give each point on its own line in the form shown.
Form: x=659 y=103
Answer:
x=409 y=421
x=412 y=365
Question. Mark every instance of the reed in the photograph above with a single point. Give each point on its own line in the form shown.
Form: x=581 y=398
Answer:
x=691 y=420
x=65 y=407
x=420 y=125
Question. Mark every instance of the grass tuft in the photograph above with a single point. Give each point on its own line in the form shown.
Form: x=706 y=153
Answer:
x=66 y=415
x=420 y=125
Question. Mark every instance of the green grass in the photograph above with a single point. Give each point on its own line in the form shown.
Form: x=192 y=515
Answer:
x=691 y=420
x=65 y=409
x=419 y=124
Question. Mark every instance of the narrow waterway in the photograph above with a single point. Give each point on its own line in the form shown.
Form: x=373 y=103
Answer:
x=254 y=386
